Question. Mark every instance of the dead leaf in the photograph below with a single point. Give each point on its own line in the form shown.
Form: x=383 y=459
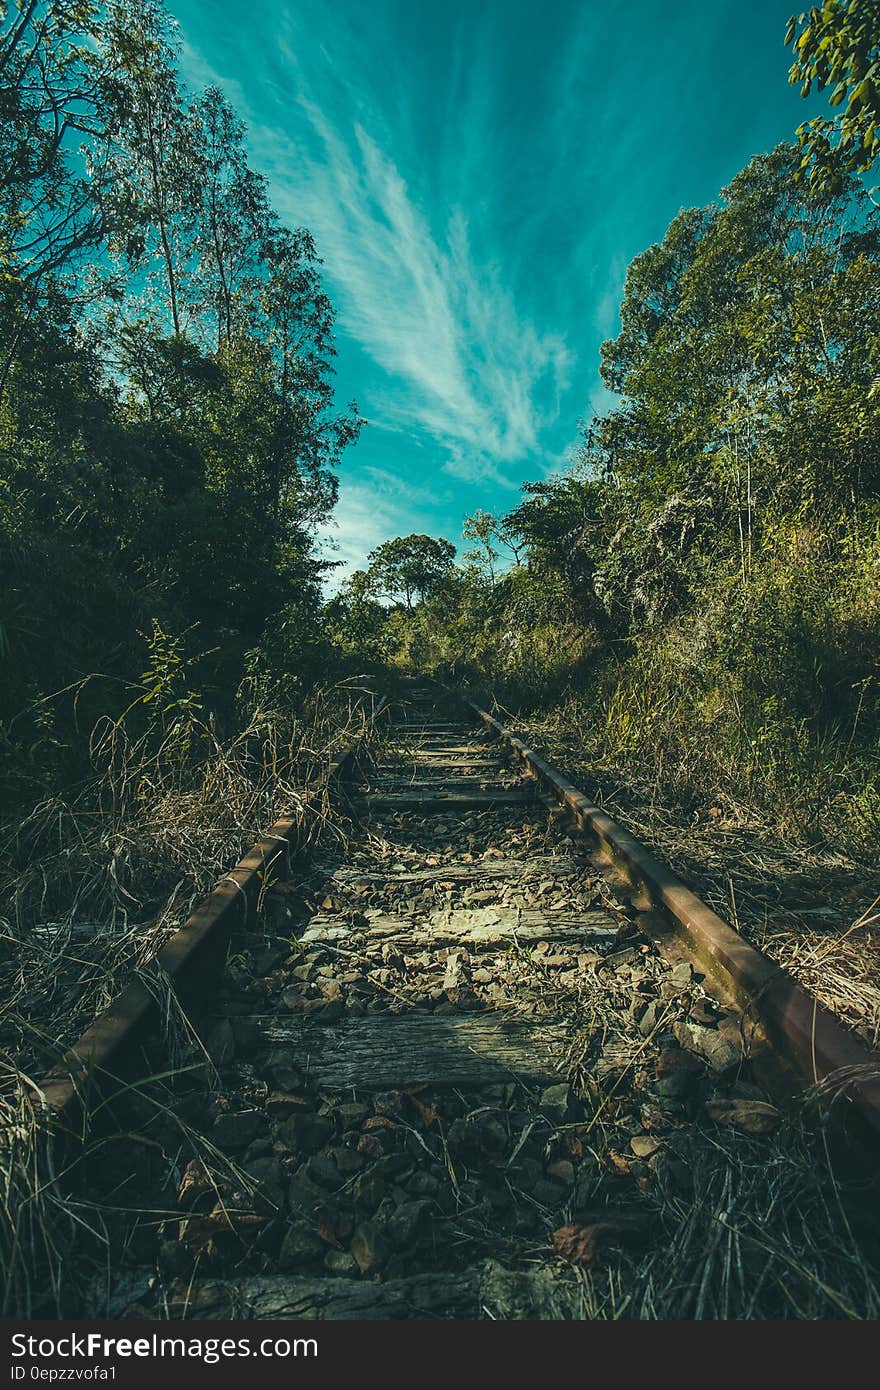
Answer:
x=619 y=1162
x=579 y=1245
x=644 y=1145
x=582 y=1242
x=751 y=1116
x=379 y=1122
x=428 y=1112
x=195 y=1183
x=573 y=1146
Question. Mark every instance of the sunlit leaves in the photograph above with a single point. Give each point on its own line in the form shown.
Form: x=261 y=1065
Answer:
x=838 y=45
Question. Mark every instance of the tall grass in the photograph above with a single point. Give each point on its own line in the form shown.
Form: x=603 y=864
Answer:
x=95 y=878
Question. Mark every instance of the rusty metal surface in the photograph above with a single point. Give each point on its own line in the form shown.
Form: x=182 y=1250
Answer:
x=819 y=1045
x=189 y=962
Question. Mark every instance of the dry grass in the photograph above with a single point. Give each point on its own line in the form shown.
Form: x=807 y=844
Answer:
x=766 y=1235
x=810 y=907
x=778 y=1234
x=97 y=881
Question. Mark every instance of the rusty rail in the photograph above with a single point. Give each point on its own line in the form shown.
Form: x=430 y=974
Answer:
x=805 y=1032
x=97 y=1064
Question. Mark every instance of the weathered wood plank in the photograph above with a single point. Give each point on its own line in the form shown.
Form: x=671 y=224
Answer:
x=484 y=1290
x=289 y=1297
x=459 y=762
x=478 y=746
x=389 y=784
x=517 y=870
x=392 y=1050
x=480 y=926
x=436 y=803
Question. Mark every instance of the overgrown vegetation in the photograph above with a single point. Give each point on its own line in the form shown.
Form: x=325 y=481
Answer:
x=703 y=586
x=167 y=425
x=168 y=438
x=698 y=596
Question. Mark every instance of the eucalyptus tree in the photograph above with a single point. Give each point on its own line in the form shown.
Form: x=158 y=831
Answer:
x=49 y=103
x=147 y=179
x=234 y=221
x=49 y=79
x=746 y=361
x=296 y=322
x=490 y=532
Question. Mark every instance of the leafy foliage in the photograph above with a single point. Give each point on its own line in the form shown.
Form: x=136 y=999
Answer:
x=703 y=581
x=837 y=45
x=168 y=433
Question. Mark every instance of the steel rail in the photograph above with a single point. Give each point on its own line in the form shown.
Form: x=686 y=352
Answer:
x=98 y=1064
x=805 y=1032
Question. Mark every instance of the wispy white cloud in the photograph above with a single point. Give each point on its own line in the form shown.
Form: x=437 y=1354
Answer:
x=464 y=366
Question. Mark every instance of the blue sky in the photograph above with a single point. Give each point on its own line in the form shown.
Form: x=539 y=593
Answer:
x=477 y=175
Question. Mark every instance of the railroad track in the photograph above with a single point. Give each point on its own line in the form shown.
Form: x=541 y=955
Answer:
x=458 y=1060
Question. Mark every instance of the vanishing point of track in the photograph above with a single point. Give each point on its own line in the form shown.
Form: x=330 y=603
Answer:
x=471 y=1045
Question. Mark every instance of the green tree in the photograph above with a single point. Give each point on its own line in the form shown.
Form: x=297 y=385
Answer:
x=235 y=219
x=145 y=173
x=412 y=566
x=837 y=45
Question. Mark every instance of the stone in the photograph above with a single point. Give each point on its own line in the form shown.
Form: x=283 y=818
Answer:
x=306 y=1133
x=389 y=1103
x=341 y=1264
x=369 y=1247
x=672 y=1059
x=301 y=1245
x=703 y=1011
x=644 y=1145
x=637 y=1006
x=322 y=1170
x=391 y=1166
x=681 y=975
x=285 y=1075
x=233 y=1131
x=303 y=1195
x=675 y=1086
x=720 y=1048
x=282 y=1103
x=408 y=1223
x=474 y=1138
x=265 y=1188
x=561 y=1171
x=648 y=1020
x=368 y=1191
x=750 y=1116
x=548 y=1194
x=555 y=1102
x=370 y=1146
x=423 y=1185
x=348 y=1161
